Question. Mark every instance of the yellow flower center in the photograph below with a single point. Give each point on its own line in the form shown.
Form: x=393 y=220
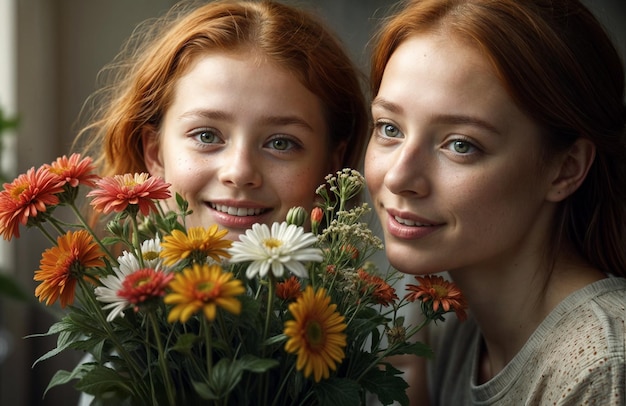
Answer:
x=314 y=333
x=206 y=291
x=272 y=243
x=18 y=190
x=150 y=255
x=440 y=291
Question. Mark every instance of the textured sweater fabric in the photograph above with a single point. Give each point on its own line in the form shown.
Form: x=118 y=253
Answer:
x=575 y=357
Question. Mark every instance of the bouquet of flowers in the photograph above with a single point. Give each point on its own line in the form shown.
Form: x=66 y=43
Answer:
x=172 y=315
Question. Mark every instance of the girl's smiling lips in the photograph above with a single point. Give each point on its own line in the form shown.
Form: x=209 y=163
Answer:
x=237 y=211
x=404 y=225
x=237 y=214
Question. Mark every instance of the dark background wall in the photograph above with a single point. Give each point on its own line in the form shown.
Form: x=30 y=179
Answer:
x=61 y=46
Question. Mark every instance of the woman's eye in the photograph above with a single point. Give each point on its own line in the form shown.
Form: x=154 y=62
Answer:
x=207 y=137
x=461 y=147
x=389 y=130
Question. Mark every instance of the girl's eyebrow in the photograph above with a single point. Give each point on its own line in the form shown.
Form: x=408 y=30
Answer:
x=277 y=120
x=439 y=118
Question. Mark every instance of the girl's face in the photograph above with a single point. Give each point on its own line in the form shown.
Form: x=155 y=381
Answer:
x=243 y=141
x=453 y=166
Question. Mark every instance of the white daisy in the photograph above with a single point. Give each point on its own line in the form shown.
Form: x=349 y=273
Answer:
x=112 y=284
x=150 y=252
x=285 y=246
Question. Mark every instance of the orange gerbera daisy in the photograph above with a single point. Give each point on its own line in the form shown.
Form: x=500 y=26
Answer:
x=289 y=289
x=203 y=287
x=197 y=244
x=74 y=171
x=438 y=296
x=382 y=293
x=116 y=193
x=316 y=334
x=61 y=266
x=28 y=195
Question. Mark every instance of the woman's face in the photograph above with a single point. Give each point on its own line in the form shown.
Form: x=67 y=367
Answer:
x=453 y=166
x=243 y=141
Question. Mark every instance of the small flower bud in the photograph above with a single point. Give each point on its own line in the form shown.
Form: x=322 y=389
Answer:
x=317 y=214
x=296 y=216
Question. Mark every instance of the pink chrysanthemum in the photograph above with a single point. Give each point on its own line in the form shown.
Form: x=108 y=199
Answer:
x=74 y=171
x=116 y=193
x=144 y=285
x=28 y=195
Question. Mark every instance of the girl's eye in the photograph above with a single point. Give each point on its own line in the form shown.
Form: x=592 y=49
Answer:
x=281 y=144
x=208 y=136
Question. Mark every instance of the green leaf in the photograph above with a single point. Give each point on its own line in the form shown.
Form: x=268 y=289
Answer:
x=387 y=385
x=337 y=391
x=98 y=379
x=257 y=365
x=62 y=377
x=10 y=288
x=417 y=348
x=185 y=343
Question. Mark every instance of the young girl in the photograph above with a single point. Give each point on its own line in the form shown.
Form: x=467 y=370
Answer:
x=242 y=106
x=498 y=155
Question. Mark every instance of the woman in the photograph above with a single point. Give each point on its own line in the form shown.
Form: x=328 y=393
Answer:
x=498 y=156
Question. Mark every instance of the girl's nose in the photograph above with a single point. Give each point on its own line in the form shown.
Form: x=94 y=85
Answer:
x=240 y=166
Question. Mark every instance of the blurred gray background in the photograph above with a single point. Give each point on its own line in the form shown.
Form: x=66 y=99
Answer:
x=51 y=52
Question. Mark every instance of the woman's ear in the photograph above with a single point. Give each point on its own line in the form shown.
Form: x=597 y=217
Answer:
x=152 y=152
x=573 y=169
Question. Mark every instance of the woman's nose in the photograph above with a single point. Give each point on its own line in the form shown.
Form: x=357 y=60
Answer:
x=408 y=173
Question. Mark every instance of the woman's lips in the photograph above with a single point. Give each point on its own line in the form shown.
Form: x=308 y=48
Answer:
x=409 y=228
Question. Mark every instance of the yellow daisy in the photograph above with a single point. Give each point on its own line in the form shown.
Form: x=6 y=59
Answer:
x=198 y=244
x=316 y=334
x=203 y=287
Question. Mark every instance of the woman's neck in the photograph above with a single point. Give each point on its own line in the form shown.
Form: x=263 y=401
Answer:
x=510 y=303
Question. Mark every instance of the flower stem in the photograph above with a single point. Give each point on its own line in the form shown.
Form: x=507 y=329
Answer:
x=90 y=230
x=136 y=242
x=169 y=388
x=134 y=370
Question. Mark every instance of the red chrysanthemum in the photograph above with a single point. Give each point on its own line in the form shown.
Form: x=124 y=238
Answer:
x=289 y=289
x=74 y=171
x=144 y=285
x=439 y=295
x=382 y=293
x=61 y=266
x=28 y=195
x=116 y=193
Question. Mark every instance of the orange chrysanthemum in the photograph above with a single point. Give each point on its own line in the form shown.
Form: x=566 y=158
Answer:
x=316 y=334
x=289 y=289
x=61 y=266
x=203 y=287
x=438 y=296
x=74 y=171
x=28 y=195
x=198 y=244
x=116 y=193
x=143 y=285
x=382 y=293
